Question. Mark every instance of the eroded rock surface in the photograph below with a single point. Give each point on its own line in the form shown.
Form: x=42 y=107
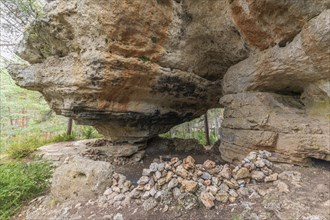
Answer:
x=81 y=179
x=134 y=69
x=289 y=114
x=275 y=122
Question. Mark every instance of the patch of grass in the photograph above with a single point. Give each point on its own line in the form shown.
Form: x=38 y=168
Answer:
x=21 y=147
x=24 y=146
x=63 y=138
x=89 y=132
x=235 y=216
x=21 y=182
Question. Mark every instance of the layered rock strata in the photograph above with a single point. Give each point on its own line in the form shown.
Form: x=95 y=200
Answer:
x=279 y=99
x=278 y=123
x=134 y=69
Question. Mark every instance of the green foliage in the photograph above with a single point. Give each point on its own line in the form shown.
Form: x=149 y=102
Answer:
x=213 y=137
x=41 y=126
x=165 y=135
x=20 y=182
x=64 y=137
x=200 y=136
x=195 y=128
x=24 y=146
x=235 y=216
x=89 y=132
x=144 y=58
x=17 y=104
x=23 y=10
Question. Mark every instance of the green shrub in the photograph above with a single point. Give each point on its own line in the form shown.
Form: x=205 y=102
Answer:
x=20 y=182
x=200 y=136
x=213 y=137
x=23 y=146
x=63 y=138
x=89 y=132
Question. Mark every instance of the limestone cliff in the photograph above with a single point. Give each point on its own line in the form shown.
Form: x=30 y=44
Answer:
x=134 y=69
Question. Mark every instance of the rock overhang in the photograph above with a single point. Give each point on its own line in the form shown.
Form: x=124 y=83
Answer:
x=136 y=69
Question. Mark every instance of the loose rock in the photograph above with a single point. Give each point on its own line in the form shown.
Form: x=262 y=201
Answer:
x=181 y=171
x=209 y=164
x=187 y=182
x=271 y=178
x=207 y=199
x=149 y=204
x=257 y=175
x=222 y=196
x=242 y=173
x=188 y=163
x=143 y=180
x=189 y=186
x=283 y=187
x=226 y=172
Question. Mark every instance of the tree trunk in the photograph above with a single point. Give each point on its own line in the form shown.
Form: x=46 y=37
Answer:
x=206 y=127
x=217 y=127
x=10 y=117
x=69 y=127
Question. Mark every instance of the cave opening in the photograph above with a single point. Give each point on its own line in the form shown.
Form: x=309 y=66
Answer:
x=183 y=140
x=197 y=128
x=320 y=163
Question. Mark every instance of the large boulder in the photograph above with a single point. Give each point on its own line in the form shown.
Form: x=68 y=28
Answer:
x=81 y=179
x=134 y=69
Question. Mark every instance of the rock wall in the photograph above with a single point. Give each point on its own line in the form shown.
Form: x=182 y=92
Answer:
x=134 y=69
x=279 y=98
x=278 y=123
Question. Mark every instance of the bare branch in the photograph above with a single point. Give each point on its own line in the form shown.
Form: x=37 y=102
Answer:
x=7 y=45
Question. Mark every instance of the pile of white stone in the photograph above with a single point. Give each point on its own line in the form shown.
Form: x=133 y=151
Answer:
x=188 y=184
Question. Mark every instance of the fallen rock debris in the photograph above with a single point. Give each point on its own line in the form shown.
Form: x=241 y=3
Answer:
x=191 y=184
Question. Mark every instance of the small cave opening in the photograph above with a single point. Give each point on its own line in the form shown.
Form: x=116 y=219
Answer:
x=323 y=164
x=291 y=97
x=202 y=128
x=293 y=93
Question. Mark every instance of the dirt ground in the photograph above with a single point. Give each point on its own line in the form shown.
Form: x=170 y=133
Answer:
x=308 y=197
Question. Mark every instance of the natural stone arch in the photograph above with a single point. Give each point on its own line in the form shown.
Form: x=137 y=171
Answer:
x=135 y=69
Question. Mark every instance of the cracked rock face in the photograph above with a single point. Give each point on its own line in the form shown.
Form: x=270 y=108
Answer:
x=134 y=69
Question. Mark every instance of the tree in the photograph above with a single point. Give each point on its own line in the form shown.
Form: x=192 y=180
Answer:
x=69 y=127
x=21 y=111
x=206 y=127
x=15 y=16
